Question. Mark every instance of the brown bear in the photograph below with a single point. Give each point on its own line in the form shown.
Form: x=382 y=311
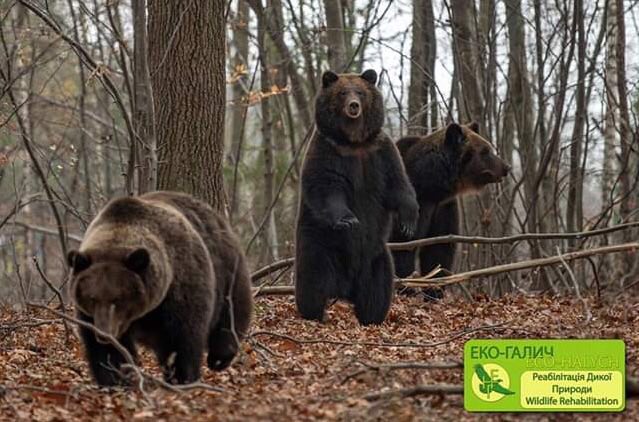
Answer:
x=353 y=180
x=442 y=166
x=165 y=270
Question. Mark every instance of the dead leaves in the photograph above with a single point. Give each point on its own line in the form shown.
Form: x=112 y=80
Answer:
x=44 y=378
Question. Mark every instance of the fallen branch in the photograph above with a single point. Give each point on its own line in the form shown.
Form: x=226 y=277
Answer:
x=29 y=324
x=533 y=263
x=271 y=268
x=414 y=244
x=416 y=391
x=455 y=336
x=484 y=272
x=387 y=367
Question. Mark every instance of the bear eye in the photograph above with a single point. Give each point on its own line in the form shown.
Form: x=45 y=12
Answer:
x=485 y=151
x=343 y=93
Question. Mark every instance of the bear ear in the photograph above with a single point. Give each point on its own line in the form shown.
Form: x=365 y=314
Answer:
x=78 y=261
x=454 y=135
x=328 y=78
x=474 y=126
x=370 y=76
x=138 y=260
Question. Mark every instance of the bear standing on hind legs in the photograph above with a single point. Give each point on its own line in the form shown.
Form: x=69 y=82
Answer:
x=352 y=181
x=165 y=270
x=441 y=167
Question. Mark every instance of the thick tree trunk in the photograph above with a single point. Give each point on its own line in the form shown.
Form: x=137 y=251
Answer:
x=187 y=61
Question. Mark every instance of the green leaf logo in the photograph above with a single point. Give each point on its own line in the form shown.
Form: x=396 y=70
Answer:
x=491 y=382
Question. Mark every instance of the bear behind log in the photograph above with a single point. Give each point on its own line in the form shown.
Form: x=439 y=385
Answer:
x=441 y=167
x=165 y=270
x=353 y=180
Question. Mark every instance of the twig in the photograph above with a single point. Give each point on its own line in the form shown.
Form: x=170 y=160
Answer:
x=415 y=391
x=455 y=336
x=56 y=291
x=45 y=230
x=576 y=285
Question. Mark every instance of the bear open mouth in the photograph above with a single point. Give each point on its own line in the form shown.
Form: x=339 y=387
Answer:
x=353 y=114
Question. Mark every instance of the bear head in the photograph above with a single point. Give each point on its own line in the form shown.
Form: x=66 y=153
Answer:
x=111 y=286
x=349 y=108
x=479 y=165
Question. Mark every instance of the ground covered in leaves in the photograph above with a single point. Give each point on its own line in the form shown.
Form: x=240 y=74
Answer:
x=299 y=370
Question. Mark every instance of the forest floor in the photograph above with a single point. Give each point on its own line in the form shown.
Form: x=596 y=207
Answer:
x=319 y=373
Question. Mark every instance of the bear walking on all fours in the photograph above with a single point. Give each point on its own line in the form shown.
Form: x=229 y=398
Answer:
x=441 y=167
x=164 y=270
x=353 y=179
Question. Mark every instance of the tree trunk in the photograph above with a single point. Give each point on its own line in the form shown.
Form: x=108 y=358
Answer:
x=270 y=232
x=628 y=160
x=611 y=116
x=144 y=110
x=422 y=98
x=574 y=206
x=471 y=106
x=187 y=55
x=239 y=64
x=336 y=42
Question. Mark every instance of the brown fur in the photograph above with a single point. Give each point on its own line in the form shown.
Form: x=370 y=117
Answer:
x=450 y=162
x=165 y=270
x=352 y=183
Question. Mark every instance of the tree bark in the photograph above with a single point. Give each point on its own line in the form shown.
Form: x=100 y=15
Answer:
x=336 y=41
x=239 y=64
x=471 y=106
x=611 y=117
x=143 y=109
x=270 y=232
x=574 y=206
x=187 y=58
x=422 y=98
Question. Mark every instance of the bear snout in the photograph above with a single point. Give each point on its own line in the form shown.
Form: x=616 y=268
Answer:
x=353 y=109
x=506 y=168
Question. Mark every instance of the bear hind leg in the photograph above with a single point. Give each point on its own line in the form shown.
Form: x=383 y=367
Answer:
x=374 y=293
x=315 y=283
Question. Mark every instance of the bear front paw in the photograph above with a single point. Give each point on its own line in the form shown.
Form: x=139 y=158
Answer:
x=348 y=222
x=408 y=220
